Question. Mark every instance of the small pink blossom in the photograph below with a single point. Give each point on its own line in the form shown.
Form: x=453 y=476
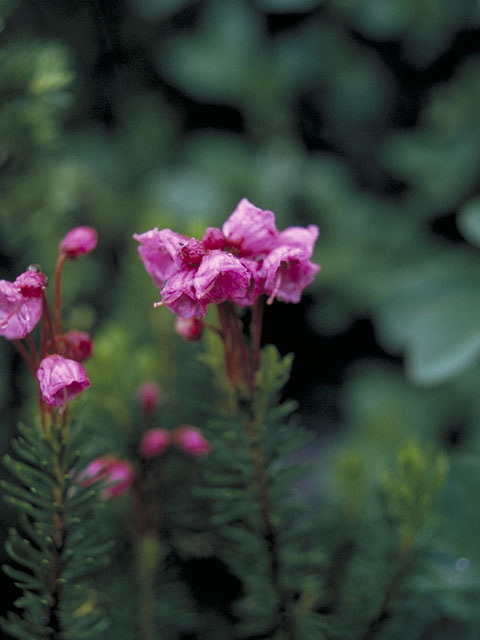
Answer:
x=180 y=297
x=61 y=379
x=78 y=242
x=250 y=230
x=303 y=238
x=221 y=276
x=154 y=442
x=190 y=440
x=149 y=395
x=287 y=272
x=190 y=329
x=160 y=253
x=116 y=473
x=78 y=345
x=19 y=313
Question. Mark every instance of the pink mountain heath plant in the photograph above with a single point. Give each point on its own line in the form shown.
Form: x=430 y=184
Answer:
x=21 y=304
x=61 y=379
x=191 y=441
x=149 y=395
x=116 y=474
x=154 y=442
x=78 y=242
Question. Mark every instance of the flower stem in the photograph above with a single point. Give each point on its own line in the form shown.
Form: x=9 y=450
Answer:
x=58 y=278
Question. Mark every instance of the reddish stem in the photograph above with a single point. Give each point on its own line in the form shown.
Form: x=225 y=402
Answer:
x=26 y=356
x=58 y=306
x=47 y=327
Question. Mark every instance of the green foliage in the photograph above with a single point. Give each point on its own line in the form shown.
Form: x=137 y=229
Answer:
x=54 y=554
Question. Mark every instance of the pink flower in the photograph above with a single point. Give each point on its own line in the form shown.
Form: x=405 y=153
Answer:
x=190 y=440
x=117 y=474
x=61 y=379
x=250 y=230
x=154 y=442
x=180 y=297
x=287 y=272
x=303 y=238
x=78 y=345
x=221 y=277
x=160 y=253
x=149 y=394
x=21 y=304
x=78 y=242
x=190 y=329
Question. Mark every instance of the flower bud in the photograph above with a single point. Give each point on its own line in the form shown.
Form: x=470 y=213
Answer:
x=213 y=238
x=190 y=440
x=61 y=379
x=78 y=345
x=192 y=252
x=149 y=394
x=78 y=242
x=154 y=442
x=190 y=329
x=117 y=474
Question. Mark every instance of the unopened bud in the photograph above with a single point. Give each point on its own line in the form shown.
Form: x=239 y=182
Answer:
x=154 y=442
x=190 y=329
x=190 y=440
x=78 y=242
x=78 y=345
x=149 y=395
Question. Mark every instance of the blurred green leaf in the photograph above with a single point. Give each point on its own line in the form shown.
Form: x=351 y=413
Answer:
x=469 y=221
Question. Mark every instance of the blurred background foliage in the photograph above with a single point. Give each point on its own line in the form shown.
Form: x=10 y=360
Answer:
x=359 y=116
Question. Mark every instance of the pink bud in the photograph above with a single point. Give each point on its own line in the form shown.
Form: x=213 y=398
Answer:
x=149 y=394
x=213 y=238
x=78 y=345
x=192 y=252
x=114 y=472
x=191 y=441
x=61 y=379
x=154 y=442
x=190 y=329
x=78 y=242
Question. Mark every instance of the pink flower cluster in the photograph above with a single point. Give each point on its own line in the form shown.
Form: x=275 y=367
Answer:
x=60 y=375
x=247 y=257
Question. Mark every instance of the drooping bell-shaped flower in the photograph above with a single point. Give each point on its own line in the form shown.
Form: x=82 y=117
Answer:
x=250 y=230
x=191 y=441
x=154 y=442
x=160 y=253
x=61 y=379
x=287 y=272
x=78 y=242
x=179 y=295
x=21 y=304
x=115 y=473
x=221 y=276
